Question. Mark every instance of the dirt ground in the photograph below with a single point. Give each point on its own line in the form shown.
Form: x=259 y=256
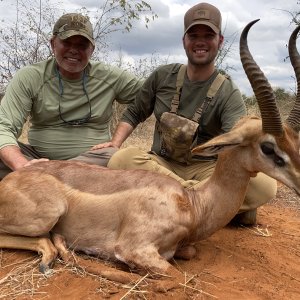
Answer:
x=261 y=262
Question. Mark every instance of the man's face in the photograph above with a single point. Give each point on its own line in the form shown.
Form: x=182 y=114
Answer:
x=72 y=55
x=201 y=45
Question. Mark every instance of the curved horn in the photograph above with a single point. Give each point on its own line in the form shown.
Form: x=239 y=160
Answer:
x=271 y=121
x=293 y=119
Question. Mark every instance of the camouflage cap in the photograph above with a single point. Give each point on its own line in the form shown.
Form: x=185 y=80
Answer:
x=205 y=14
x=74 y=24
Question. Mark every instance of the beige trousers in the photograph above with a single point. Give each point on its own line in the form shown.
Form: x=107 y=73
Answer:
x=261 y=189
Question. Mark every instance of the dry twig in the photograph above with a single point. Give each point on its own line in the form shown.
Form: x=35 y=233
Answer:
x=133 y=289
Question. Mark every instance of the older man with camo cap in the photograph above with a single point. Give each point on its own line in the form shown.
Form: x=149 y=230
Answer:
x=68 y=99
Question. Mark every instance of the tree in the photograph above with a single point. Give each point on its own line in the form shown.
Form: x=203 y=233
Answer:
x=295 y=15
x=26 y=40
x=225 y=52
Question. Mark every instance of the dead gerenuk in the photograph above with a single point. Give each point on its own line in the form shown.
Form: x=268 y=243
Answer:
x=142 y=218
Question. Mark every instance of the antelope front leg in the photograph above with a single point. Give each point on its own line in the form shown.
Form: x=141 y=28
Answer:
x=145 y=259
x=41 y=245
x=60 y=244
x=93 y=268
x=118 y=275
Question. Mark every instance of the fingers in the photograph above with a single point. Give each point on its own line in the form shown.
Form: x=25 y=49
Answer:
x=33 y=161
x=103 y=145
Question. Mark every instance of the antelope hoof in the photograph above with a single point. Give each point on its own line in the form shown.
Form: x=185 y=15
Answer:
x=46 y=268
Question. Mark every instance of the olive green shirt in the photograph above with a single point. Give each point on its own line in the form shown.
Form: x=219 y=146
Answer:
x=34 y=92
x=157 y=93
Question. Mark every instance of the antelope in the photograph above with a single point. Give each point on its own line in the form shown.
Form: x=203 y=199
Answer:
x=143 y=218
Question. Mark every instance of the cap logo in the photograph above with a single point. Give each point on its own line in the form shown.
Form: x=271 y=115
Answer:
x=201 y=14
x=76 y=23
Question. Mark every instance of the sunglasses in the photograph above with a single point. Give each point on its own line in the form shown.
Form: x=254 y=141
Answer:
x=75 y=122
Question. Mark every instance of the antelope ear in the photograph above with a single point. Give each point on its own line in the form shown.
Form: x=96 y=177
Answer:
x=242 y=132
x=218 y=144
x=213 y=149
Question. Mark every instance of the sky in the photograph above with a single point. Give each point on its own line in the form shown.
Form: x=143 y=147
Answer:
x=267 y=39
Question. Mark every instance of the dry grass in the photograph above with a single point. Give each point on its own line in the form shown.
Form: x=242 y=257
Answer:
x=23 y=279
x=287 y=198
x=142 y=136
x=284 y=105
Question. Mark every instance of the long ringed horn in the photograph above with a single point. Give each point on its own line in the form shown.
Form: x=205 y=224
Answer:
x=293 y=119
x=271 y=120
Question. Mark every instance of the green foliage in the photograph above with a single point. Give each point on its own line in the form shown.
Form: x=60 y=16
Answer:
x=25 y=40
x=119 y=15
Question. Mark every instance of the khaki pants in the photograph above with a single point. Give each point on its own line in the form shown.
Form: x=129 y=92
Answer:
x=96 y=157
x=261 y=189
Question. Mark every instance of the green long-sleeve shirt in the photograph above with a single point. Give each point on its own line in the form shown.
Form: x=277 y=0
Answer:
x=158 y=90
x=34 y=92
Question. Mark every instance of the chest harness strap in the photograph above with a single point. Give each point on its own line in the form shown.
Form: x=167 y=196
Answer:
x=213 y=89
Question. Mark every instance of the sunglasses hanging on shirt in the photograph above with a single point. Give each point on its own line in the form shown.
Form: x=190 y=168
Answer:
x=76 y=122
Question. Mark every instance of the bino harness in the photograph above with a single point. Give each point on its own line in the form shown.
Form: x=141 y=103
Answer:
x=179 y=134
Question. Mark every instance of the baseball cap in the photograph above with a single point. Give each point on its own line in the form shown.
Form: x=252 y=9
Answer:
x=205 y=14
x=74 y=24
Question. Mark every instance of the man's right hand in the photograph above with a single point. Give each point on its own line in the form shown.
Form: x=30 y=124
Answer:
x=13 y=158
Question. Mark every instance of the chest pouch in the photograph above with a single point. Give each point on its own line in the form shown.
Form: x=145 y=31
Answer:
x=179 y=134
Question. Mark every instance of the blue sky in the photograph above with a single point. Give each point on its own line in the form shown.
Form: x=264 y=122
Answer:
x=267 y=38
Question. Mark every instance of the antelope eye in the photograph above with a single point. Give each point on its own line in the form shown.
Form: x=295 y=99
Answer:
x=268 y=149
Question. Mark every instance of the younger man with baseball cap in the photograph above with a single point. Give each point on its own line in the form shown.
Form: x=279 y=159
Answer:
x=194 y=92
x=203 y=14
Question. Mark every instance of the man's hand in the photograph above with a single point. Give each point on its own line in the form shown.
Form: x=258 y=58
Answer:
x=122 y=132
x=33 y=161
x=13 y=158
x=104 y=145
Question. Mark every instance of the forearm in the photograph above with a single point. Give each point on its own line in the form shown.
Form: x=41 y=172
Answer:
x=12 y=157
x=122 y=132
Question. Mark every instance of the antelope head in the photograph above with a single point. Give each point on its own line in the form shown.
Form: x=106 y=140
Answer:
x=265 y=145
x=279 y=141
